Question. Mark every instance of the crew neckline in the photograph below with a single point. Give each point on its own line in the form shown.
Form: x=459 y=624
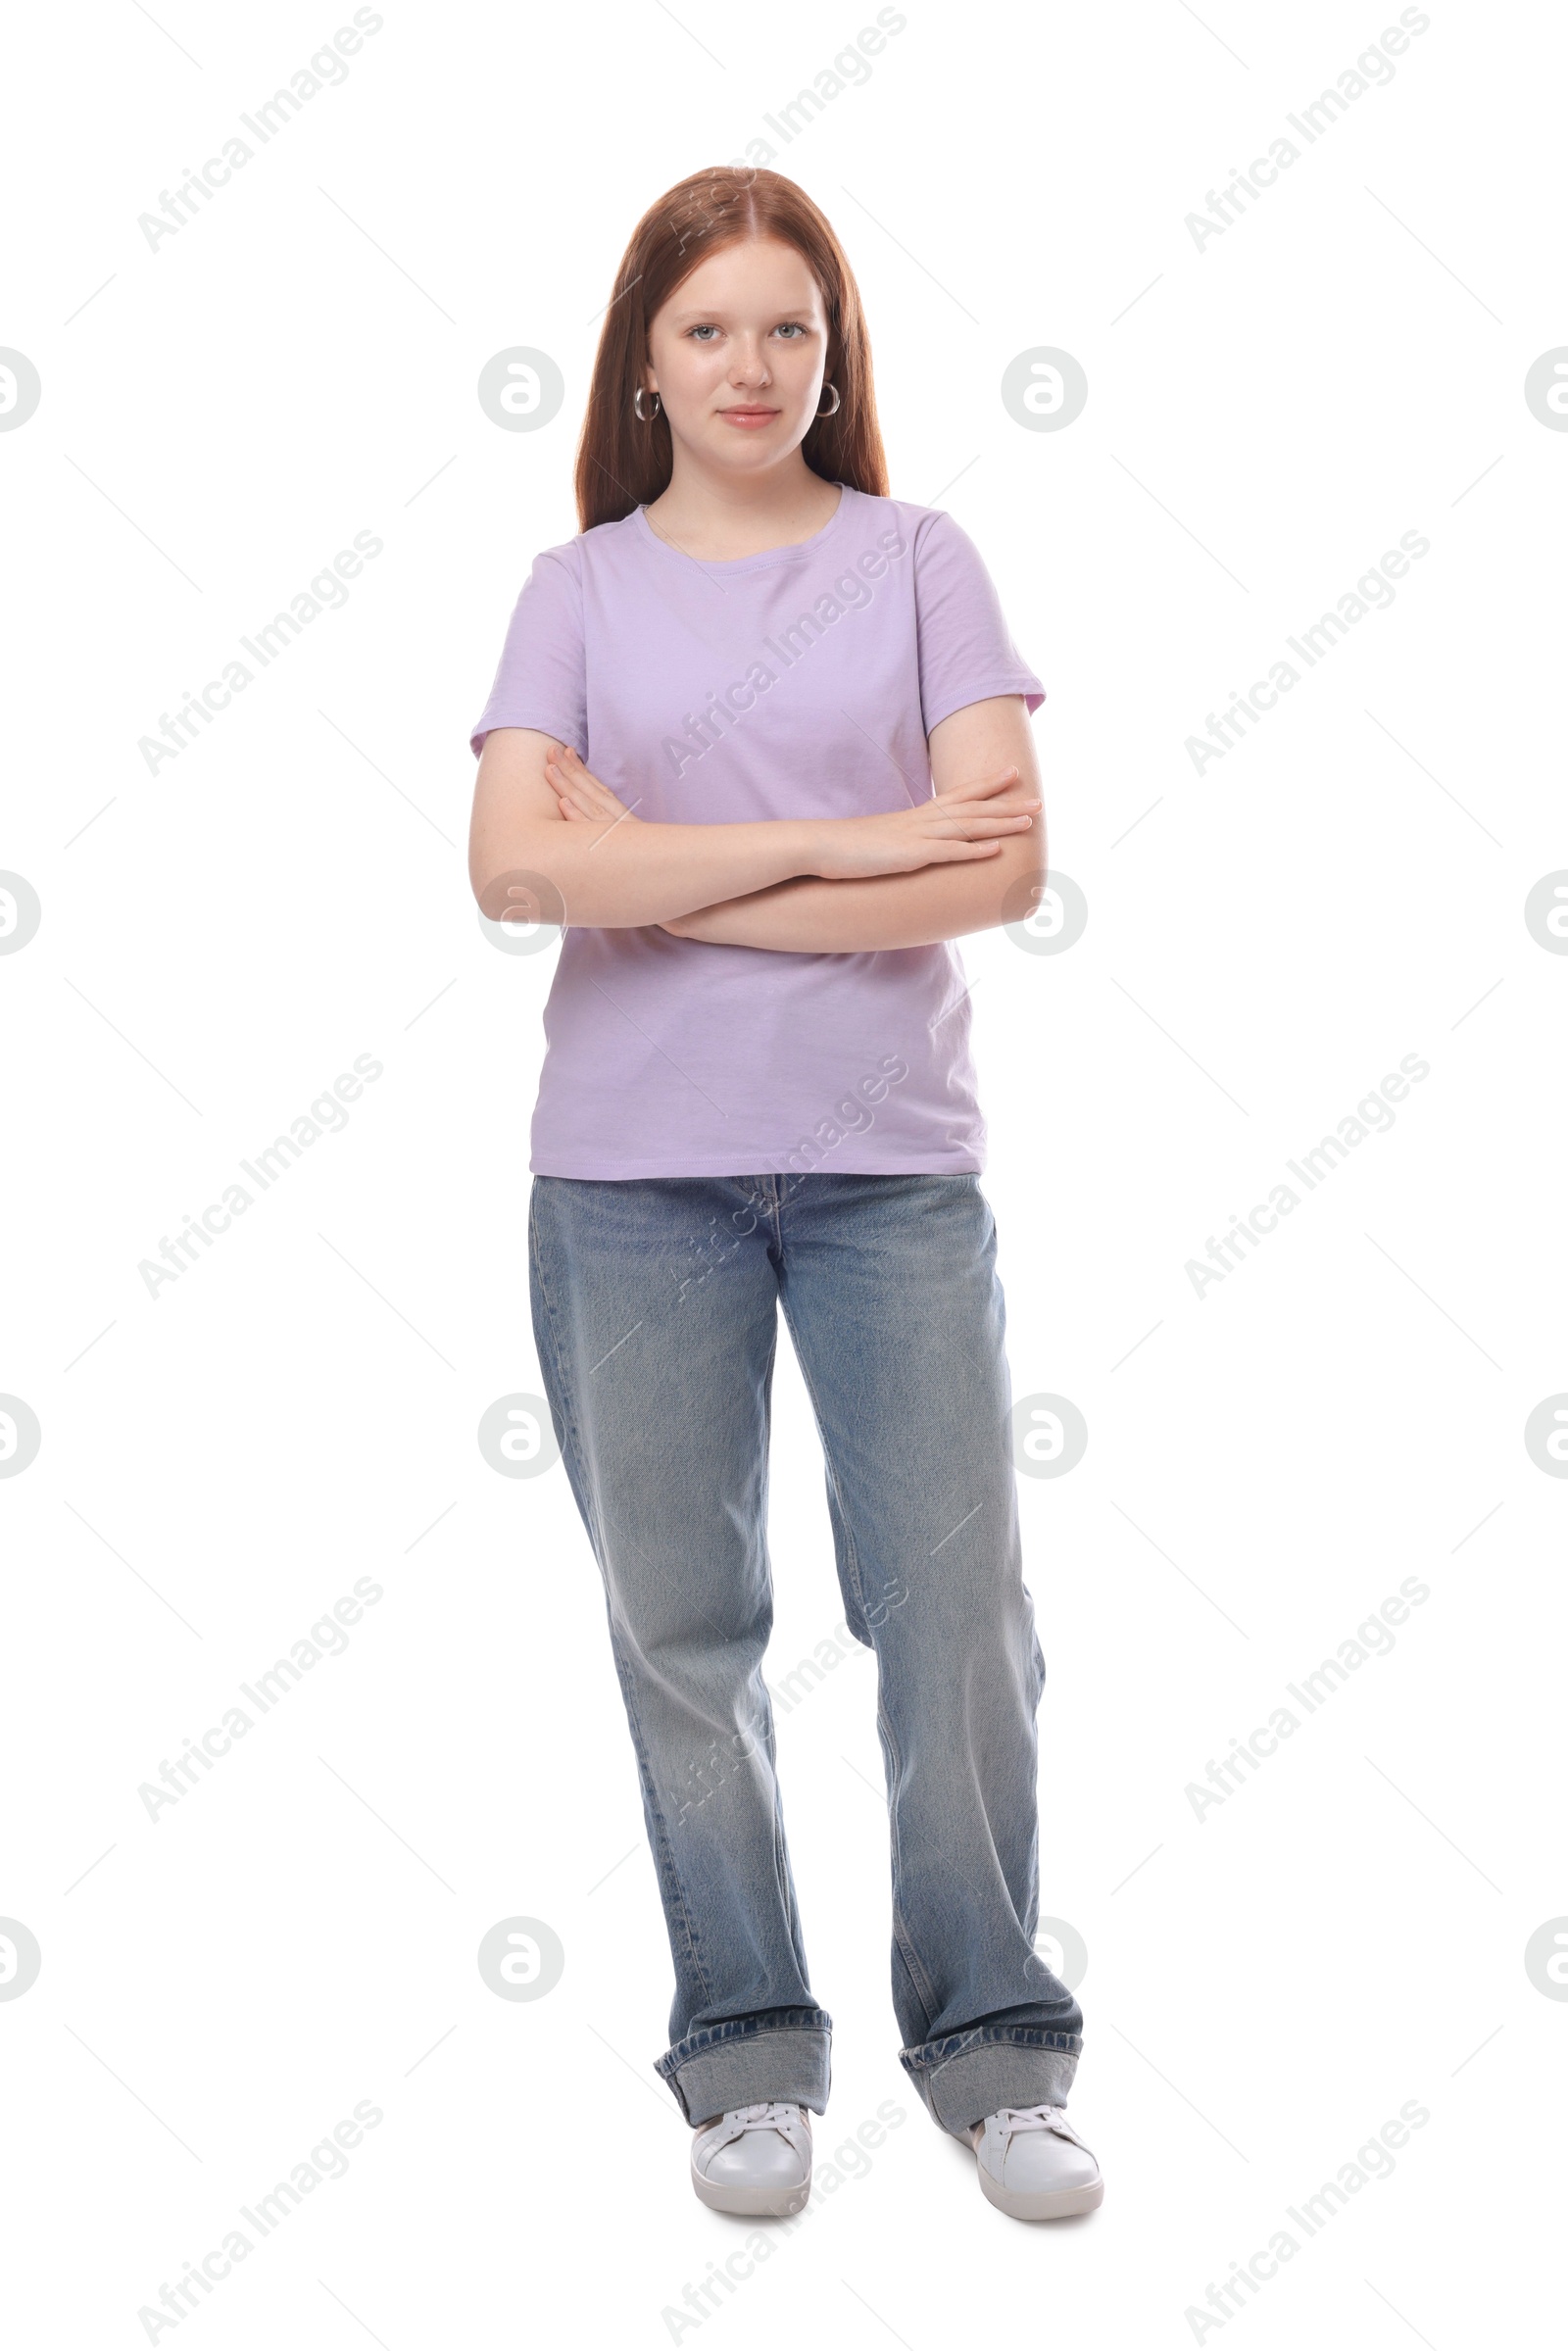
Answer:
x=766 y=556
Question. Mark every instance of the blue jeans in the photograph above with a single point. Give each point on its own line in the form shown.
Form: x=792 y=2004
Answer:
x=655 y=1307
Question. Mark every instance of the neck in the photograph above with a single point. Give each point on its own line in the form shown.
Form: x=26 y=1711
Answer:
x=706 y=512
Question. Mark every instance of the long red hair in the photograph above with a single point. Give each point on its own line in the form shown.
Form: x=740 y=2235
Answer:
x=623 y=464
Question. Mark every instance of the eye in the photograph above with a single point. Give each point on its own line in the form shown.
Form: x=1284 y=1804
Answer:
x=702 y=330
x=791 y=326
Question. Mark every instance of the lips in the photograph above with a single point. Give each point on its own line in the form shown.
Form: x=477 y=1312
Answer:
x=750 y=416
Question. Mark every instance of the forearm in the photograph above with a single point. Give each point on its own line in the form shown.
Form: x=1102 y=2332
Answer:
x=900 y=910
x=548 y=838
x=933 y=901
x=626 y=876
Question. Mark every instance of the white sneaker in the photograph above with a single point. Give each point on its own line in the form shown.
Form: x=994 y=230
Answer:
x=1034 y=2164
x=754 y=2159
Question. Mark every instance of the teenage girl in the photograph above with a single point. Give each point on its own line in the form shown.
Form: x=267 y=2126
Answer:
x=759 y=742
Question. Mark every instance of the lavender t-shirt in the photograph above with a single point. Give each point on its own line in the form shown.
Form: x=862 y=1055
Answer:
x=799 y=682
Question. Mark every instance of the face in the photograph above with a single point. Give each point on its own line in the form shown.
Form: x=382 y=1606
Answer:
x=738 y=355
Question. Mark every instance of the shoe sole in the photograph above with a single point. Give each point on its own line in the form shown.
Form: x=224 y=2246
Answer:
x=1054 y=2204
x=757 y=2203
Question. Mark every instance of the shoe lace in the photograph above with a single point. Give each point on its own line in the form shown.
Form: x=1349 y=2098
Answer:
x=1010 y=2119
x=777 y=2115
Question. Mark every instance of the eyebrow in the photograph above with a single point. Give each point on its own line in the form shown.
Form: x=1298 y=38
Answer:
x=802 y=317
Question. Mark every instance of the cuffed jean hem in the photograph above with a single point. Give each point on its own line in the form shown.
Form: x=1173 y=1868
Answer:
x=752 y=2061
x=967 y=2075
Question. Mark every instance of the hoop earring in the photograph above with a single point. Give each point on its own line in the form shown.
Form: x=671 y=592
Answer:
x=637 y=406
x=834 y=409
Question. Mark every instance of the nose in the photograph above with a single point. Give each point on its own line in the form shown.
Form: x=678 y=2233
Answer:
x=749 y=367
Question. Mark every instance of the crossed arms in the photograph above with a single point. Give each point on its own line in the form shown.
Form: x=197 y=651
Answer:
x=958 y=862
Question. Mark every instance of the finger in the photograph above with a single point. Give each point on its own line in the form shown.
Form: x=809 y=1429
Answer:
x=594 y=798
x=1016 y=796
x=585 y=776
x=570 y=767
x=960 y=812
x=984 y=812
x=569 y=788
x=981 y=789
x=962 y=853
x=982 y=828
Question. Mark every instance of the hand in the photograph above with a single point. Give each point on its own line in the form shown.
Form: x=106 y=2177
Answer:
x=966 y=822
x=1000 y=797
x=582 y=798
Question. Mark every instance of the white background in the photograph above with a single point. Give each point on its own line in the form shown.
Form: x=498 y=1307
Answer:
x=1266 y=1985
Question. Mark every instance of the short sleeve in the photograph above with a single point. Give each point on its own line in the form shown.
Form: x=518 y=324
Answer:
x=965 y=653
x=542 y=677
